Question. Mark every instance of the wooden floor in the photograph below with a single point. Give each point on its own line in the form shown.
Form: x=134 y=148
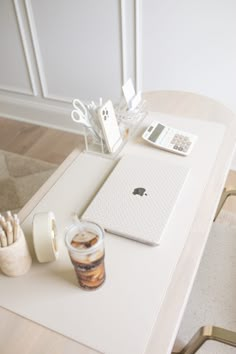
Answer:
x=54 y=146
x=38 y=142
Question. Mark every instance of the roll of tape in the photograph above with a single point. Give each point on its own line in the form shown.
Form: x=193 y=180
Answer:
x=44 y=237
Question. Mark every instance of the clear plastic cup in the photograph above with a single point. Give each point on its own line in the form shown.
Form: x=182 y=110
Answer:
x=85 y=244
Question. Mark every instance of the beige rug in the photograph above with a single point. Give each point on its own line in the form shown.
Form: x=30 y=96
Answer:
x=20 y=178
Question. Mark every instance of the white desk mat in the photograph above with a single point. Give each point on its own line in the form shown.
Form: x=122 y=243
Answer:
x=119 y=317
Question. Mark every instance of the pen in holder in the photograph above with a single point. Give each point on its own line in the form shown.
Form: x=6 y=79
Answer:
x=15 y=259
x=128 y=119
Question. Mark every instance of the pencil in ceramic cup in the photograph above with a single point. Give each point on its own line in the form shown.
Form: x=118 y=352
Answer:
x=3 y=222
x=9 y=216
x=85 y=244
x=9 y=233
x=15 y=259
x=3 y=238
x=16 y=227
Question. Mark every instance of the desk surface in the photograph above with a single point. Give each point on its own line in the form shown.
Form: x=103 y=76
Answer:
x=158 y=315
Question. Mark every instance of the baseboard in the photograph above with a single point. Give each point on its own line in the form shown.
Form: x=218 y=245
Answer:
x=35 y=111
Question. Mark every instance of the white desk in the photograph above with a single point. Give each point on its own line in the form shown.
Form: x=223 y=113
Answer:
x=140 y=306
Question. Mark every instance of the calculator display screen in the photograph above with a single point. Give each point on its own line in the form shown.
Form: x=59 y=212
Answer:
x=156 y=132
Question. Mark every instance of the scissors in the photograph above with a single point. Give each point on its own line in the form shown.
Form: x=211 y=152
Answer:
x=80 y=113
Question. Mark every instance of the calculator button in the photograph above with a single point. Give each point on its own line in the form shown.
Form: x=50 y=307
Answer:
x=175 y=147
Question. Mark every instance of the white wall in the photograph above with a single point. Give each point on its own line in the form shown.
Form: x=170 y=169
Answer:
x=55 y=50
x=190 y=45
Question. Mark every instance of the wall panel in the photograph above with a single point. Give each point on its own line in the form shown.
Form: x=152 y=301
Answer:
x=14 y=70
x=78 y=46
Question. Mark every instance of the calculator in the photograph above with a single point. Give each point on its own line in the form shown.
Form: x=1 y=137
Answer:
x=169 y=138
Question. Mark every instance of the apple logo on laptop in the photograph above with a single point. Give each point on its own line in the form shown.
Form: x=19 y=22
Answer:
x=139 y=191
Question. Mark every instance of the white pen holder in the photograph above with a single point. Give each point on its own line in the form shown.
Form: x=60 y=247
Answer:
x=94 y=144
x=15 y=260
x=128 y=121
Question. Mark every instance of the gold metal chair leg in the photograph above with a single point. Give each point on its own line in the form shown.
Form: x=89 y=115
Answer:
x=225 y=194
x=209 y=333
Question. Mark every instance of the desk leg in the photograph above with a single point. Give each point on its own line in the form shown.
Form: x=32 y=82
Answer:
x=208 y=333
x=225 y=194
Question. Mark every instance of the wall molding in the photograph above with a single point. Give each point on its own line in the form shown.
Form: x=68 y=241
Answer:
x=21 y=31
x=132 y=62
x=128 y=29
x=138 y=45
x=23 y=38
x=15 y=89
x=43 y=113
x=123 y=40
x=36 y=47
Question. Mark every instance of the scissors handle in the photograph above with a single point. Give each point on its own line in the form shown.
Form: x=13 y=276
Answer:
x=79 y=106
x=80 y=115
x=78 y=118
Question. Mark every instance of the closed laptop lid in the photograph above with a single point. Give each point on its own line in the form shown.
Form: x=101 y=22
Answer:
x=138 y=197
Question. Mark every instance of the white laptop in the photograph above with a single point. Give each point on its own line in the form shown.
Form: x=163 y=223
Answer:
x=138 y=198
